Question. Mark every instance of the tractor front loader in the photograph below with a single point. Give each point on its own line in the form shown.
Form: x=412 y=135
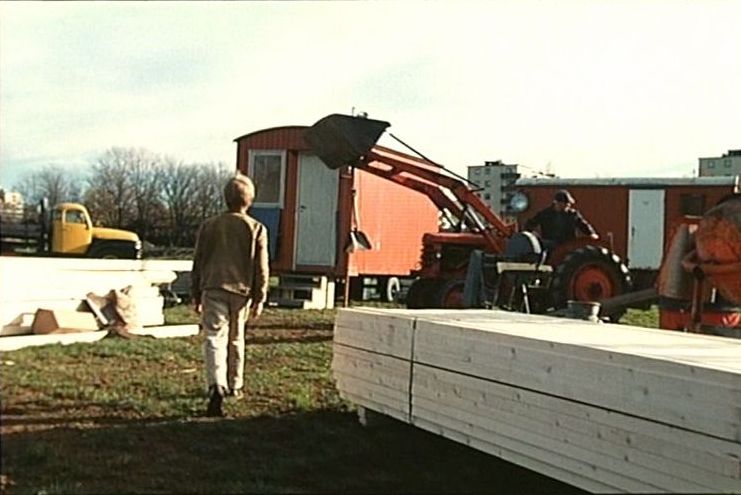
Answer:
x=479 y=259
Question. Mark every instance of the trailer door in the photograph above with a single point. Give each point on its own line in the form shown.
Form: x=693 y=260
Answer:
x=645 y=228
x=316 y=225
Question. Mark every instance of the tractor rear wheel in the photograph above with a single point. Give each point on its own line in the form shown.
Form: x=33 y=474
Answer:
x=590 y=273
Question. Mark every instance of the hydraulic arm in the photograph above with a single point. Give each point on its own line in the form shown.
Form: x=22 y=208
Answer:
x=343 y=140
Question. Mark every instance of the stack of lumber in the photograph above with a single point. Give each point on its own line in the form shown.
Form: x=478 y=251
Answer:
x=28 y=284
x=607 y=408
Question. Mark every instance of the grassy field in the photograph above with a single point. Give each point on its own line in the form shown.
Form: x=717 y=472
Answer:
x=126 y=416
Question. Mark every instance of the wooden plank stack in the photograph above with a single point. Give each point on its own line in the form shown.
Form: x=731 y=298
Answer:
x=607 y=408
x=28 y=284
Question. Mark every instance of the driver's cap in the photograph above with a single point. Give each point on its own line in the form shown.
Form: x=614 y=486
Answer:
x=564 y=196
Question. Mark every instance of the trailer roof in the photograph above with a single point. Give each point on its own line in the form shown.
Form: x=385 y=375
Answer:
x=639 y=182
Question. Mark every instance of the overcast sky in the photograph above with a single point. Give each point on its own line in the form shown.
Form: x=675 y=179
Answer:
x=587 y=88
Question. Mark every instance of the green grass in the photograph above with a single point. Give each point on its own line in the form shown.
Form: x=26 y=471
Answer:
x=126 y=416
x=640 y=318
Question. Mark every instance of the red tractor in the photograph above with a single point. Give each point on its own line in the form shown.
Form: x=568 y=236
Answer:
x=583 y=269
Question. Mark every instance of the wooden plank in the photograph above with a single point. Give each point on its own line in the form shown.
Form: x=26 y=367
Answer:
x=25 y=263
x=35 y=286
x=393 y=399
x=379 y=333
x=12 y=343
x=613 y=380
x=380 y=369
x=619 y=340
x=717 y=456
x=581 y=444
x=563 y=375
x=630 y=478
x=635 y=395
x=373 y=368
x=167 y=331
x=516 y=457
x=553 y=464
x=377 y=378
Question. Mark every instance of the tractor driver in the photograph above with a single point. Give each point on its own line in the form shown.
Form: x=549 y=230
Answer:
x=560 y=221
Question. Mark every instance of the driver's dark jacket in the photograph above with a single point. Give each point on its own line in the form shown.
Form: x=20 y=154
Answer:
x=559 y=226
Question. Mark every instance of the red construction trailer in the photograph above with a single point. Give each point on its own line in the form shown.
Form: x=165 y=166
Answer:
x=313 y=213
x=637 y=215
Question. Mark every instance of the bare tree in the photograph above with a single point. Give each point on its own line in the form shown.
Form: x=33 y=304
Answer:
x=179 y=185
x=145 y=174
x=209 y=199
x=56 y=183
x=162 y=198
x=110 y=193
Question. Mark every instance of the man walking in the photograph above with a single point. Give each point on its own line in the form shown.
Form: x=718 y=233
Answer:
x=229 y=279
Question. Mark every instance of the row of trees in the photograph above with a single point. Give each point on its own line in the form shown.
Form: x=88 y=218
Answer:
x=162 y=199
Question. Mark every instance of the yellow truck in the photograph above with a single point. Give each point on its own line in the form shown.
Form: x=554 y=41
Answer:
x=66 y=230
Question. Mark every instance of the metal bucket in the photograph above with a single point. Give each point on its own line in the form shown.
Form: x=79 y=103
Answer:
x=341 y=140
x=583 y=310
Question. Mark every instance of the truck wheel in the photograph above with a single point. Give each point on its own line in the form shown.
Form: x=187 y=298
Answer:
x=421 y=293
x=450 y=294
x=108 y=253
x=590 y=273
x=392 y=287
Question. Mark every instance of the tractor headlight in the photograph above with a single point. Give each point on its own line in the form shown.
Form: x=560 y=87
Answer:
x=519 y=202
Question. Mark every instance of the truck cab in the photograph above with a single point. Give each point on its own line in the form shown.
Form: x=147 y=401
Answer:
x=72 y=233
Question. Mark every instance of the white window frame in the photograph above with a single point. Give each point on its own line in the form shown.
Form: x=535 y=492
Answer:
x=252 y=155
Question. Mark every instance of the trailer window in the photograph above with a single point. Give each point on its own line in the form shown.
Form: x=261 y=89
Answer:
x=267 y=170
x=692 y=204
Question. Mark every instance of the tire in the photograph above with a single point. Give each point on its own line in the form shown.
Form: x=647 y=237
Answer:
x=590 y=273
x=392 y=288
x=109 y=253
x=113 y=250
x=449 y=294
x=421 y=293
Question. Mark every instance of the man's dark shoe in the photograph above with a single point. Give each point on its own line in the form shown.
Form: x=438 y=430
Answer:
x=215 y=399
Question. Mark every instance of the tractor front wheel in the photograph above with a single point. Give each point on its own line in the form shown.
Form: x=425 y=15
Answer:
x=590 y=273
x=421 y=293
x=450 y=294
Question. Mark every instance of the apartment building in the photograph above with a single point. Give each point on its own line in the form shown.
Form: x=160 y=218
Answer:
x=727 y=164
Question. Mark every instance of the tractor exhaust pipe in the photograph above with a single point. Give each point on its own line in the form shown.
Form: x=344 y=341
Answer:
x=341 y=140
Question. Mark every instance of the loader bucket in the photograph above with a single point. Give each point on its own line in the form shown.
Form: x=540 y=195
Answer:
x=341 y=140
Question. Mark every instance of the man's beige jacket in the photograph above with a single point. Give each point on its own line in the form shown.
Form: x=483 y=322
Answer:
x=231 y=254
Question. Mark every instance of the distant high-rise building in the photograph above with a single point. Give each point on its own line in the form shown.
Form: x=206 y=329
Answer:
x=495 y=181
x=728 y=164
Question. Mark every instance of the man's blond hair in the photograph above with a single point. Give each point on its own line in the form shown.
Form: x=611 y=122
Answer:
x=239 y=192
